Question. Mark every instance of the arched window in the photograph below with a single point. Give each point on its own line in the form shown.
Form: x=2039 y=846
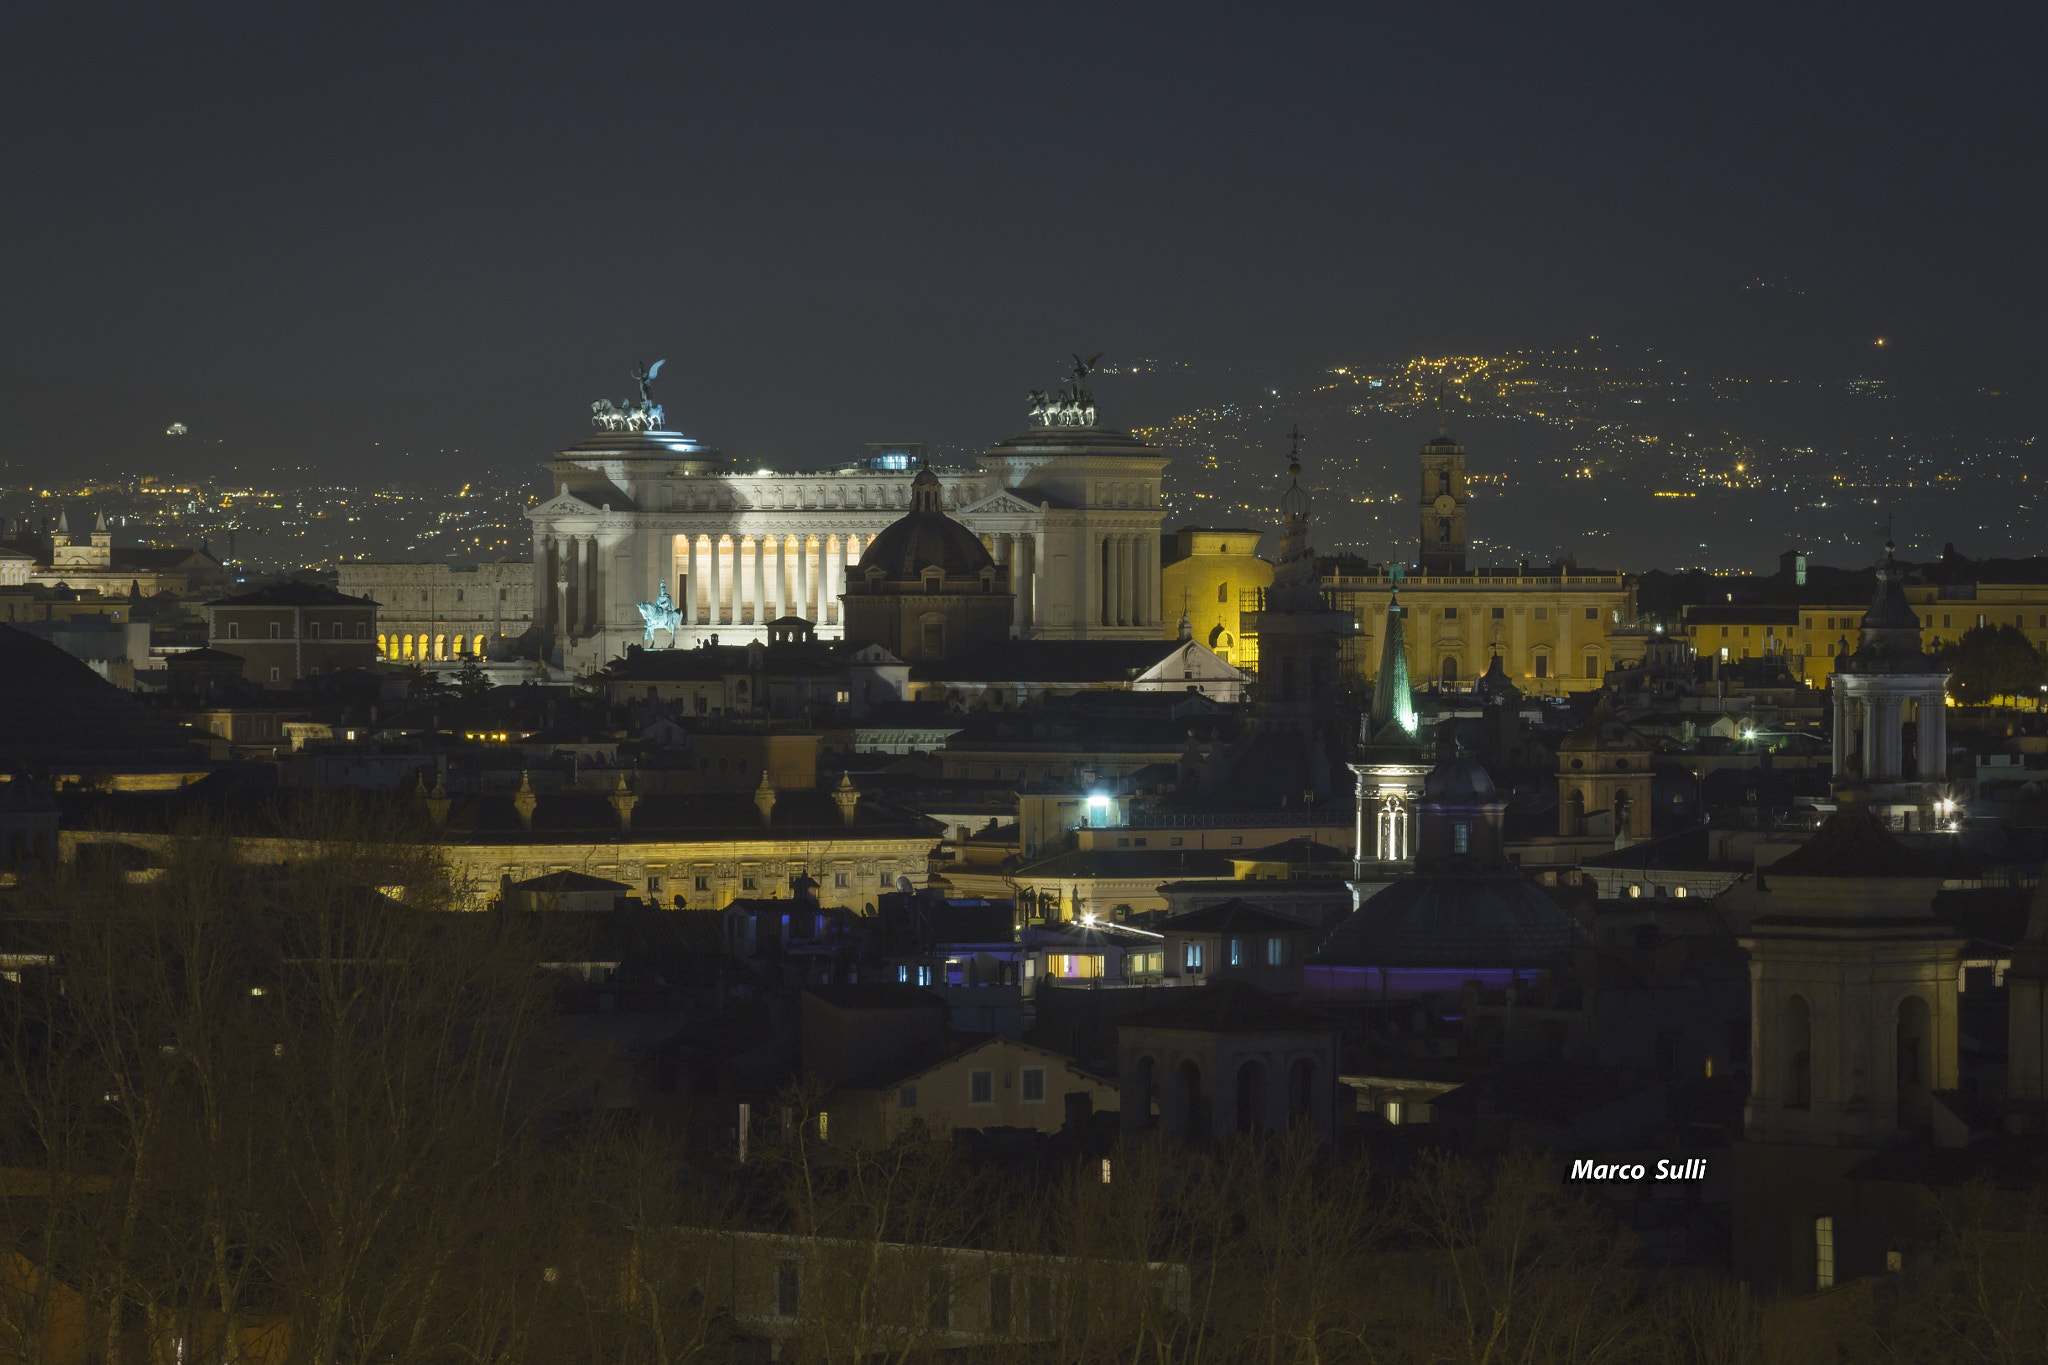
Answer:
x=1798 y=1053
x=1144 y=1097
x=479 y=647
x=1450 y=671
x=1301 y=1091
x=440 y=646
x=457 y=646
x=1251 y=1097
x=1194 y=1104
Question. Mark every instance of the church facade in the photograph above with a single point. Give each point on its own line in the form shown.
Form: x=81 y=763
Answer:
x=1069 y=509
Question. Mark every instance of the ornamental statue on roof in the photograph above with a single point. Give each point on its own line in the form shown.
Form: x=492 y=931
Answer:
x=646 y=415
x=1070 y=407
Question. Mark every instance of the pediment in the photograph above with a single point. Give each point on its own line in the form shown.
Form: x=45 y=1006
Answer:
x=1002 y=502
x=563 y=504
x=874 y=654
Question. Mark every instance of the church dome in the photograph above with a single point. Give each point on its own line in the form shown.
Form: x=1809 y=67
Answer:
x=1451 y=921
x=1461 y=780
x=923 y=537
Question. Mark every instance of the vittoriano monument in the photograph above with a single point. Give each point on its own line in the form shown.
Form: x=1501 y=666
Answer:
x=634 y=510
x=628 y=416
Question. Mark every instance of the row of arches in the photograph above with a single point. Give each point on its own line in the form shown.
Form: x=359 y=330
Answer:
x=1186 y=1109
x=1912 y=1058
x=424 y=648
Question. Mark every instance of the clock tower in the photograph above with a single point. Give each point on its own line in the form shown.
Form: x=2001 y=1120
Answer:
x=1443 y=503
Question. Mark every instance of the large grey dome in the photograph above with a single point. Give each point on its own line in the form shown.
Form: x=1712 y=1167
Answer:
x=1451 y=921
x=923 y=537
x=1460 y=780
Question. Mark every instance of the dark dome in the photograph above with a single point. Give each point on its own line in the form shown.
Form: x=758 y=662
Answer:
x=1462 y=779
x=925 y=536
x=56 y=713
x=1451 y=922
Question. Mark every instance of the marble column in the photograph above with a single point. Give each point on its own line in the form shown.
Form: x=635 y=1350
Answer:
x=1891 y=734
x=1841 y=730
x=1123 y=580
x=592 y=610
x=1933 y=741
x=830 y=579
x=1871 y=761
x=1358 y=807
x=1027 y=596
x=803 y=575
x=717 y=607
x=543 y=609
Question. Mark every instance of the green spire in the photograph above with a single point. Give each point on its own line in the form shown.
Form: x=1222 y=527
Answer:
x=1393 y=700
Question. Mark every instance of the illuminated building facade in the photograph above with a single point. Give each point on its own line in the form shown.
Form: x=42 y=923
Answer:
x=1070 y=510
x=437 y=613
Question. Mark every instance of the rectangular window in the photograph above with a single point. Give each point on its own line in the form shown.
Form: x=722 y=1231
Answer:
x=1450 y=613
x=941 y=1315
x=1461 y=838
x=1237 y=838
x=1034 y=1084
x=841 y=879
x=458 y=594
x=903 y=974
x=1500 y=613
x=273 y=675
x=1237 y=952
x=1276 y=952
x=981 y=1087
x=1443 y=530
x=746 y=883
x=1982 y=619
x=1809 y=623
x=1542 y=665
x=787 y=1288
x=906 y=1098
x=276 y=631
x=1592 y=665
x=703 y=883
x=1824 y=1253
x=654 y=886
x=1192 y=957
x=1174 y=842
x=501 y=594
x=924 y=975
x=1944 y=623
x=1543 y=613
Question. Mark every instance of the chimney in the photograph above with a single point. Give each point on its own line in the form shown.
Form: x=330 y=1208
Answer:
x=623 y=800
x=764 y=798
x=846 y=797
x=524 y=801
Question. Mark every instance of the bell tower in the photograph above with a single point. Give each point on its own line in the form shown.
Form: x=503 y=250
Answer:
x=1442 y=500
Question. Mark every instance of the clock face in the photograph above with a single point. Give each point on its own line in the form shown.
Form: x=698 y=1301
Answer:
x=1444 y=504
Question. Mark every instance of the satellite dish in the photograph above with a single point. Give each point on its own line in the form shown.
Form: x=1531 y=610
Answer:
x=903 y=884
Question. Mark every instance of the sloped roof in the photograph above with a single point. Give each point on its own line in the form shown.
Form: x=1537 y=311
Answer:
x=1233 y=917
x=293 y=594
x=1049 y=661
x=1855 y=843
x=1603 y=731
x=1452 y=921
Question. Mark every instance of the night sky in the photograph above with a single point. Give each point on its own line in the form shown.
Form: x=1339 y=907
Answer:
x=306 y=230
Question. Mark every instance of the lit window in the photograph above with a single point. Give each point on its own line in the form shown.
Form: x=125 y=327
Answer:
x=924 y=975
x=1461 y=838
x=903 y=974
x=1824 y=1253
x=1276 y=952
x=1237 y=952
x=1192 y=959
